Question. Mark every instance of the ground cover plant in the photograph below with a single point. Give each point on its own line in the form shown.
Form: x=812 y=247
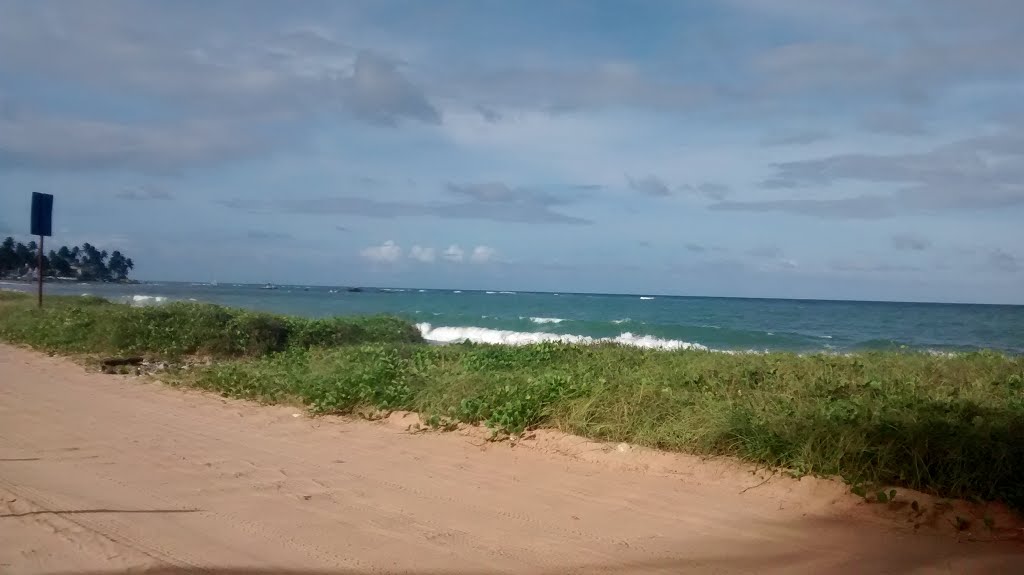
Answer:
x=89 y=324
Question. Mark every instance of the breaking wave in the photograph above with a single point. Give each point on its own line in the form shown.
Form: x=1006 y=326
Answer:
x=144 y=300
x=544 y=319
x=450 y=334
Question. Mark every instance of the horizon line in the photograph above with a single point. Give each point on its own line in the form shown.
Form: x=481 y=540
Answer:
x=569 y=292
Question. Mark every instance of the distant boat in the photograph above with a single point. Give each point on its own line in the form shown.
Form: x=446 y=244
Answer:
x=269 y=286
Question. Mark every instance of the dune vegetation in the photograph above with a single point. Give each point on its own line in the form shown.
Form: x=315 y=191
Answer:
x=89 y=324
x=946 y=424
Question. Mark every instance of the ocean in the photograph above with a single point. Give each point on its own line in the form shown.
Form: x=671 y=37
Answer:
x=667 y=322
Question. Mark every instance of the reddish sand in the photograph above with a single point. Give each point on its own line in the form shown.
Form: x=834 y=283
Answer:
x=102 y=474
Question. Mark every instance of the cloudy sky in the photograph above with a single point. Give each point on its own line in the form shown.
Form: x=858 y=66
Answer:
x=777 y=148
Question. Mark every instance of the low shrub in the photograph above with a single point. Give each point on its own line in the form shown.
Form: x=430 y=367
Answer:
x=93 y=325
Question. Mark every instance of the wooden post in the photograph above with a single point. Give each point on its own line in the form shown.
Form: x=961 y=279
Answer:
x=39 y=270
x=42 y=225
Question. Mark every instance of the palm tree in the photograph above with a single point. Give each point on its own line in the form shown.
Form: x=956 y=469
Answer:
x=8 y=257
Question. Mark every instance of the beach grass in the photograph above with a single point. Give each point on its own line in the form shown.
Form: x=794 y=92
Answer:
x=951 y=425
x=88 y=324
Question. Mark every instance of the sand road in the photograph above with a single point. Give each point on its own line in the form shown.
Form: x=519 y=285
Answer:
x=105 y=474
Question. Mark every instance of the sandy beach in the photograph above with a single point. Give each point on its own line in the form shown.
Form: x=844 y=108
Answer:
x=106 y=474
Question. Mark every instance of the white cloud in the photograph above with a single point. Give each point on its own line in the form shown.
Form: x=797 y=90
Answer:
x=388 y=252
x=482 y=254
x=425 y=255
x=454 y=253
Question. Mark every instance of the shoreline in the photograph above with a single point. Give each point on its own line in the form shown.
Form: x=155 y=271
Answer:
x=945 y=425
x=240 y=485
x=529 y=330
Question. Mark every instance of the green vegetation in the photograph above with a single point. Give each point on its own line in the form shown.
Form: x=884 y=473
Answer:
x=94 y=325
x=84 y=263
x=948 y=425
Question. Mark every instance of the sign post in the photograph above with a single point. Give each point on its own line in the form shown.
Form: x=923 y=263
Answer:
x=42 y=226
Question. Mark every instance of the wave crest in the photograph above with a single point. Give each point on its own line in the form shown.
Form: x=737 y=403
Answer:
x=144 y=300
x=545 y=319
x=452 y=334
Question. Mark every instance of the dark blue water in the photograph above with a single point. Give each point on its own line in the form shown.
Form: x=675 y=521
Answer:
x=661 y=321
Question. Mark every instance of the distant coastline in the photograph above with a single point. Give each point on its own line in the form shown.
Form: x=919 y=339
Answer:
x=20 y=262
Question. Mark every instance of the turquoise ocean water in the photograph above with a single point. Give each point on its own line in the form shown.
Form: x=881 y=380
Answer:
x=644 y=320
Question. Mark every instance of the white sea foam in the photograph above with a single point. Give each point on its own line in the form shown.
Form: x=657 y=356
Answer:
x=492 y=292
x=508 y=292
x=544 y=319
x=620 y=321
x=457 y=291
x=940 y=353
x=451 y=334
x=646 y=297
x=144 y=300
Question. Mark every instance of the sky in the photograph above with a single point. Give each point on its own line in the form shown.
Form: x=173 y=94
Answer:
x=756 y=148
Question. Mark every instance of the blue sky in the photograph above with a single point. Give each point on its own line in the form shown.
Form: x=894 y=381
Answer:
x=776 y=148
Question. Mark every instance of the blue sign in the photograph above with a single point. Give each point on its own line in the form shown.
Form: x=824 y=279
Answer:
x=42 y=214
